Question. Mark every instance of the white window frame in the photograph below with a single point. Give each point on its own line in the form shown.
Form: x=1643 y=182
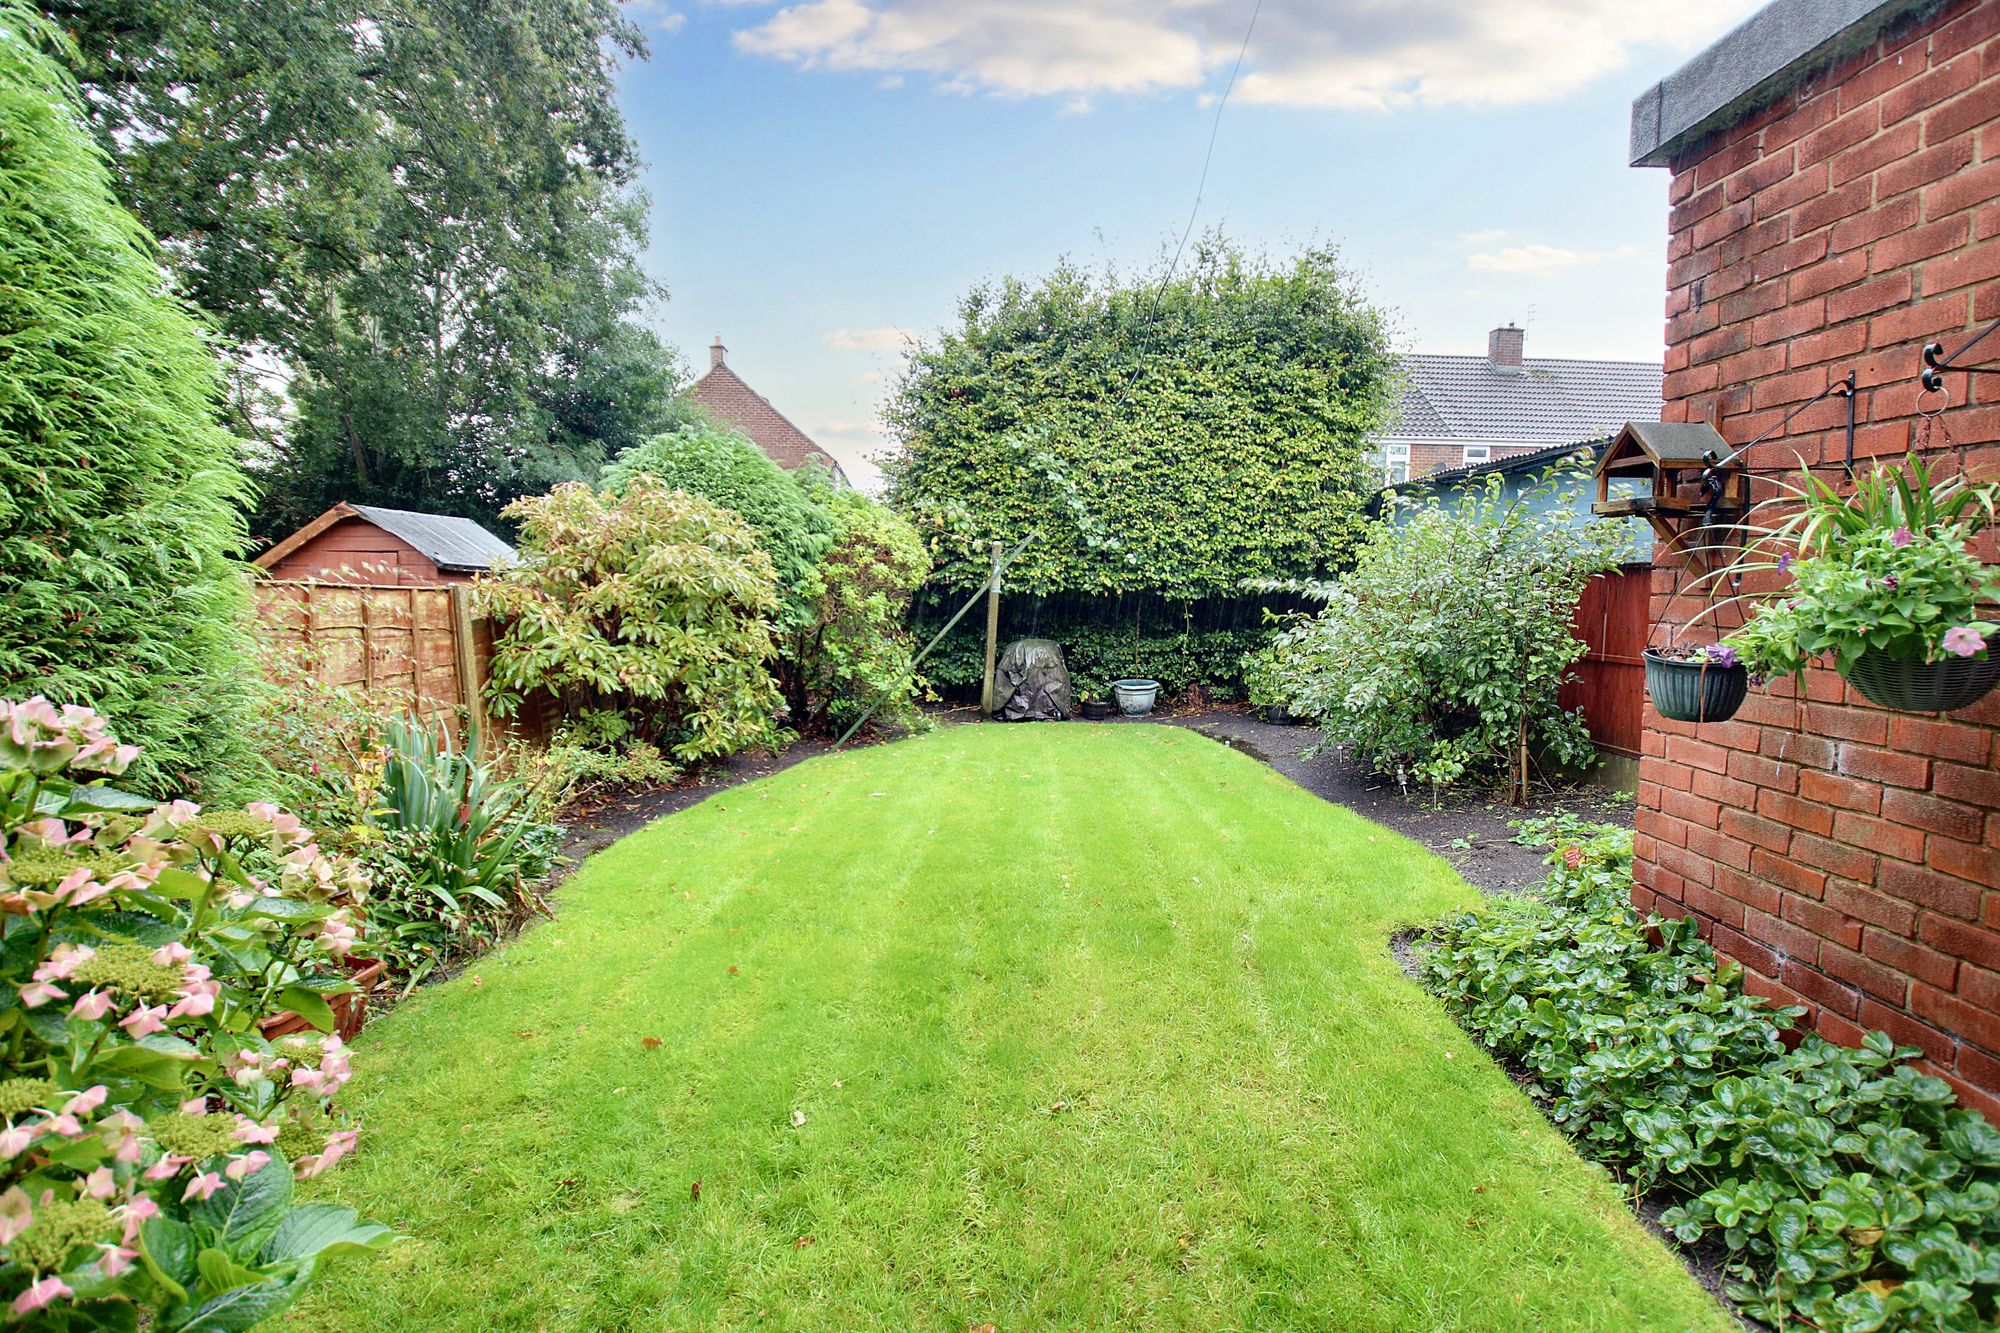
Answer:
x=1477 y=453
x=1395 y=463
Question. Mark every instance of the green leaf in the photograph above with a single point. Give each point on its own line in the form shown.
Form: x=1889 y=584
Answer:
x=94 y=799
x=246 y=1307
x=249 y=1208
x=309 y=1005
x=177 y=883
x=167 y=1248
x=155 y=1069
x=220 y=1272
x=316 y=1229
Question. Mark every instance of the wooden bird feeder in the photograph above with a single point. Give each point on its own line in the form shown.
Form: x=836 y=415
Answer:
x=1690 y=480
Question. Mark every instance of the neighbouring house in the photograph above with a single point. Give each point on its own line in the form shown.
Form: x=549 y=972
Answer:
x=1461 y=411
x=725 y=395
x=1611 y=616
x=371 y=545
x=1835 y=205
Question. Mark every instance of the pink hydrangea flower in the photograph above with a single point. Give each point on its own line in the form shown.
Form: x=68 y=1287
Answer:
x=1963 y=641
x=172 y=955
x=16 y=1212
x=88 y=1100
x=38 y=993
x=92 y=1004
x=205 y=1185
x=249 y=1164
x=145 y=1020
x=101 y=1183
x=14 y=1141
x=117 y=1258
x=338 y=1145
x=39 y=1295
x=249 y=1131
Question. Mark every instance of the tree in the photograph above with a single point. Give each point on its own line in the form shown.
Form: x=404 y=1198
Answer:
x=855 y=655
x=414 y=218
x=1169 y=438
x=120 y=493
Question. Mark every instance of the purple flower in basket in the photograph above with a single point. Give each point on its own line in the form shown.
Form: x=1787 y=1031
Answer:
x=1718 y=654
x=1901 y=537
x=1963 y=641
x=1785 y=562
x=1891 y=581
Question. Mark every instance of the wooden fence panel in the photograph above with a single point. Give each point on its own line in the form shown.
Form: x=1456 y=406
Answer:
x=399 y=646
x=1612 y=619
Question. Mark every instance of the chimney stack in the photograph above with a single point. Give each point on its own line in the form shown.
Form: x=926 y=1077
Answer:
x=717 y=353
x=1504 y=348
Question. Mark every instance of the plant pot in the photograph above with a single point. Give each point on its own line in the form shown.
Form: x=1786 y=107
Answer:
x=1915 y=686
x=1135 y=697
x=1278 y=715
x=1695 y=691
x=1096 y=710
x=350 y=1009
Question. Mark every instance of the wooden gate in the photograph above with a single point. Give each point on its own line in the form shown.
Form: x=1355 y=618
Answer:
x=1610 y=680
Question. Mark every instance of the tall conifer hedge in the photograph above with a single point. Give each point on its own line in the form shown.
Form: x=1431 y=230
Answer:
x=119 y=494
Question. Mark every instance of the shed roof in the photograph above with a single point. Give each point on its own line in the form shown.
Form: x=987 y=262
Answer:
x=1673 y=441
x=454 y=545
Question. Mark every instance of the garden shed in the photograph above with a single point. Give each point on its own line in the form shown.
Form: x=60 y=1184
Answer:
x=367 y=544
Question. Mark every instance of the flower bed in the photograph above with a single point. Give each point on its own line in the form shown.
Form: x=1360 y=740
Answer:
x=1848 y=1189
x=149 y=1131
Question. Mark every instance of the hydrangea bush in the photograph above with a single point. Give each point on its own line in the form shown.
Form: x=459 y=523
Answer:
x=149 y=1132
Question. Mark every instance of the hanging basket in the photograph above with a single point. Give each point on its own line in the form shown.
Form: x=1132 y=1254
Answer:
x=1912 y=685
x=1695 y=691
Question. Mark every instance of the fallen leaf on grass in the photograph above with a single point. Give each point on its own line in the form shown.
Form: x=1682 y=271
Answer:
x=650 y=1043
x=802 y=1242
x=479 y=981
x=697 y=1191
x=798 y=1119
x=732 y=970
x=523 y=1033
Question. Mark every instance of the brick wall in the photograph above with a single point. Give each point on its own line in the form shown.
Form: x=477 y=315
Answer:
x=1849 y=857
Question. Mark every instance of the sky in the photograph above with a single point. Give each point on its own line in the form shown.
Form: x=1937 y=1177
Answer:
x=829 y=177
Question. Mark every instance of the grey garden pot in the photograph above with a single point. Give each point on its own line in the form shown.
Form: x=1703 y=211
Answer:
x=1135 y=697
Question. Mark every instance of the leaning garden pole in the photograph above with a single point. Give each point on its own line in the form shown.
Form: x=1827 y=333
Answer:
x=992 y=633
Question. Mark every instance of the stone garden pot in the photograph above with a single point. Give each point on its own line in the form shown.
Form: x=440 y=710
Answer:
x=1135 y=697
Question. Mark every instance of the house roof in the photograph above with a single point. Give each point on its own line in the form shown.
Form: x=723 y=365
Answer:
x=1545 y=400
x=723 y=392
x=1536 y=461
x=454 y=545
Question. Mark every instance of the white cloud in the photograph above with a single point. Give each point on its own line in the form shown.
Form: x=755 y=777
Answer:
x=888 y=338
x=1375 y=54
x=1542 y=261
x=656 y=15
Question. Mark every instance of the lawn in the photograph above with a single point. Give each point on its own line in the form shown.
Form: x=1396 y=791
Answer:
x=1049 y=1027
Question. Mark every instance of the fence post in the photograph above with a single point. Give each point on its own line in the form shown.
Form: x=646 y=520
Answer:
x=992 y=632
x=463 y=652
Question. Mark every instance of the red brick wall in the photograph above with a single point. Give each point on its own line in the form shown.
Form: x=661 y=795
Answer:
x=1428 y=458
x=1849 y=857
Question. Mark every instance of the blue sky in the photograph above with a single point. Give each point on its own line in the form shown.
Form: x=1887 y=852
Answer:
x=829 y=174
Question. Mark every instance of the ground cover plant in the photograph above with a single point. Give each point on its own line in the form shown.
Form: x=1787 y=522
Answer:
x=1047 y=1028
x=1849 y=1190
x=119 y=493
x=149 y=1132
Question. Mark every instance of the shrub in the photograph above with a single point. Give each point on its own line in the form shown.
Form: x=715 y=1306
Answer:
x=1444 y=648
x=150 y=1132
x=587 y=755
x=652 y=603
x=1239 y=451
x=1847 y=1189
x=455 y=853
x=1098 y=653
x=722 y=465
x=856 y=653
x=119 y=493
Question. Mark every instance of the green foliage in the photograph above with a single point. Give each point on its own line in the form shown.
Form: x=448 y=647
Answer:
x=589 y=754
x=142 y=947
x=1098 y=653
x=1452 y=633
x=449 y=282
x=1886 y=568
x=655 y=604
x=856 y=653
x=1238 y=454
x=119 y=492
x=722 y=465
x=1847 y=1188
x=455 y=854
